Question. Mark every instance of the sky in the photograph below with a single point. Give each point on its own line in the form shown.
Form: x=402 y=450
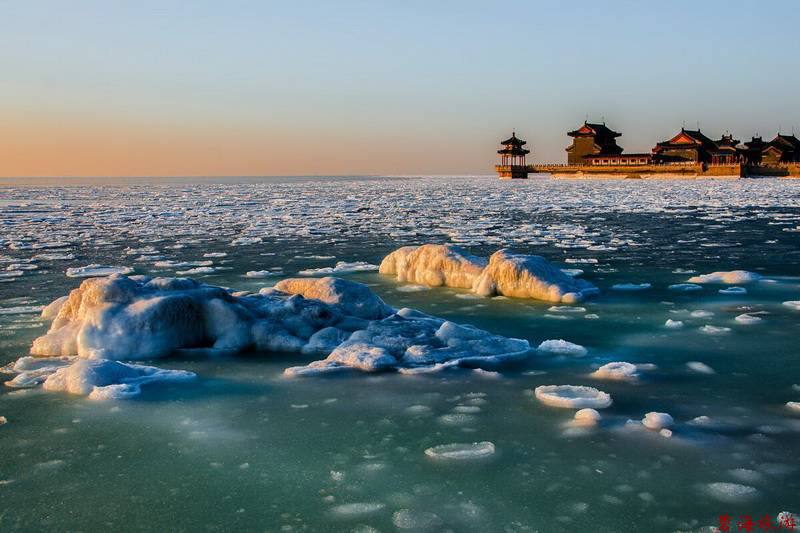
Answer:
x=235 y=88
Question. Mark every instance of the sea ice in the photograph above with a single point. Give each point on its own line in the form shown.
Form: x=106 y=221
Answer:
x=673 y=324
x=357 y=509
x=685 y=287
x=657 y=421
x=530 y=276
x=699 y=367
x=416 y=520
x=475 y=450
x=731 y=492
x=631 y=286
x=93 y=270
x=733 y=277
x=434 y=265
x=619 y=371
x=793 y=406
x=562 y=347
x=714 y=330
x=104 y=379
x=586 y=417
x=793 y=304
x=341 y=267
x=505 y=273
x=572 y=396
x=747 y=319
x=733 y=290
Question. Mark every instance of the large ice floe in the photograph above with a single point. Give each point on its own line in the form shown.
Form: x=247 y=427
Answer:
x=572 y=396
x=505 y=273
x=133 y=318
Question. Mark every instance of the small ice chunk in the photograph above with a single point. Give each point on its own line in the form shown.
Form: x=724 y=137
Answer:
x=702 y=313
x=341 y=267
x=3 y=420
x=357 y=509
x=631 y=286
x=699 y=367
x=673 y=324
x=416 y=520
x=665 y=433
x=747 y=319
x=793 y=304
x=714 y=330
x=562 y=347
x=572 y=396
x=733 y=290
x=586 y=417
x=731 y=492
x=793 y=406
x=734 y=277
x=618 y=370
x=458 y=451
x=685 y=287
x=261 y=273
x=94 y=270
x=657 y=421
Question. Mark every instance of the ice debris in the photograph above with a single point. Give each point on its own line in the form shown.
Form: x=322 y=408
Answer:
x=618 y=370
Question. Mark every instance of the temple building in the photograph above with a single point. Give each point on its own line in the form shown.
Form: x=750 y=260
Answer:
x=512 y=158
x=691 y=146
x=781 y=149
x=592 y=140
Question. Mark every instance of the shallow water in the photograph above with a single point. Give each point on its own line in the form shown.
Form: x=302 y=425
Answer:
x=245 y=448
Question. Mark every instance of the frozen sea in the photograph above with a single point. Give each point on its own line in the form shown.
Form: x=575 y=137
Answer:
x=244 y=448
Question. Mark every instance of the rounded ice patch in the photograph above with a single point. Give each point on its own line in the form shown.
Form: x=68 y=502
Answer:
x=458 y=451
x=572 y=396
x=562 y=347
x=617 y=370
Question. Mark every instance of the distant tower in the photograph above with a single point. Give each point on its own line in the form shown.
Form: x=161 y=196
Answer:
x=592 y=139
x=512 y=159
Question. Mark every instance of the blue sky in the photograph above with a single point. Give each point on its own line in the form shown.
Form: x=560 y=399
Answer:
x=122 y=88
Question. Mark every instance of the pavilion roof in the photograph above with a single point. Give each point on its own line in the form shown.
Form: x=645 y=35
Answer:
x=597 y=130
x=514 y=140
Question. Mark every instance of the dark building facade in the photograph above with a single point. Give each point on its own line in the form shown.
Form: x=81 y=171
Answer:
x=592 y=140
x=780 y=150
x=688 y=146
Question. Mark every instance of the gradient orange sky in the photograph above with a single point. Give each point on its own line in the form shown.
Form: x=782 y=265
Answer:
x=171 y=89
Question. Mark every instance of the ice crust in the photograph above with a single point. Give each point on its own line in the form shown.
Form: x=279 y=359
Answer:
x=505 y=273
x=460 y=452
x=130 y=318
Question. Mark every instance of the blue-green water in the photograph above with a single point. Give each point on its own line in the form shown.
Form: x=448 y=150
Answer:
x=245 y=448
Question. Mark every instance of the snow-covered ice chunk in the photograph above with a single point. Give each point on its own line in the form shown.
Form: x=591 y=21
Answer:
x=673 y=324
x=631 y=286
x=747 y=319
x=586 y=417
x=505 y=274
x=434 y=265
x=457 y=451
x=699 y=367
x=341 y=267
x=562 y=347
x=733 y=290
x=355 y=299
x=94 y=270
x=714 y=330
x=657 y=421
x=793 y=406
x=685 y=287
x=530 y=276
x=734 y=277
x=105 y=380
x=731 y=492
x=618 y=370
x=357 y=509
x=416 y=520
x=793 y=304
x=572 y=396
